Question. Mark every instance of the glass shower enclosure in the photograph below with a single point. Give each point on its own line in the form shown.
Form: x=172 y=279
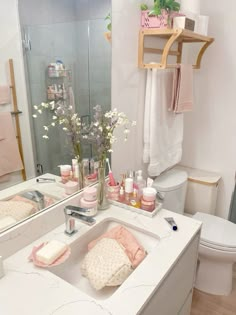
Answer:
x=71 y=32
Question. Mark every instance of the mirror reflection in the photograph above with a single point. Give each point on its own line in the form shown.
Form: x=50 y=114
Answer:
x=67 y=59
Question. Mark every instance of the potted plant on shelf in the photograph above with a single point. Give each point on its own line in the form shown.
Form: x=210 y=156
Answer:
x=160 y=15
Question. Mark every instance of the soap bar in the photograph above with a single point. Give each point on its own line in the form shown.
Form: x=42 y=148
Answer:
x=50 y=252
x=6 y=221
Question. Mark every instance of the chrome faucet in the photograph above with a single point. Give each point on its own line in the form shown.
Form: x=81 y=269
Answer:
x=83 y=214
x=35 y=196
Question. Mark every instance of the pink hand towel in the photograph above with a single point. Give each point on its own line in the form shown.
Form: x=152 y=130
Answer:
x=10 y=160
x=182 y=93
x=5 y=96
x=132 y=248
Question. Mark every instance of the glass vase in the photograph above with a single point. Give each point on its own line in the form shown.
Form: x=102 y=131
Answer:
x=81 y=175
x=103 y=202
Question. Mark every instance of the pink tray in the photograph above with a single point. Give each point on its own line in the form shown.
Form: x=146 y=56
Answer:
x=58 y=261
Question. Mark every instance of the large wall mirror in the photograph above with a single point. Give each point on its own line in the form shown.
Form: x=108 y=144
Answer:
x=71 y=33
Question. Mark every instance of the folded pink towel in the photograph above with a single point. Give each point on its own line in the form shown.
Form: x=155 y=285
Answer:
x=132 y=248
x=10 y=160
x=5 y=96
x=182 y=93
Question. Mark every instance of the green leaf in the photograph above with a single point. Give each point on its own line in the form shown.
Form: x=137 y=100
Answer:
x=143 y=7
x=109 y=27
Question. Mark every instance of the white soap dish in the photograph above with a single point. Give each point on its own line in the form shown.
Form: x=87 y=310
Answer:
x=58 y=261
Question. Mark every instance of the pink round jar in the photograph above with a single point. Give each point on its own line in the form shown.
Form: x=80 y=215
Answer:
x=90 y=194
x=113 y=192
x=88 y=204
x=71 y=187
x=147 y=205
x=149 y=194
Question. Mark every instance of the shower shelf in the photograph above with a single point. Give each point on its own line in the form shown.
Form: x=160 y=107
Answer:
x=180 y=36
x=58 y=74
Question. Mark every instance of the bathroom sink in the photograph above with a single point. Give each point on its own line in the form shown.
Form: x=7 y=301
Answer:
x=27 y=193
x=70 y=270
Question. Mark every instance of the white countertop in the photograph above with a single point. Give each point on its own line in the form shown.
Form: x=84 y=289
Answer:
x=29 y=290
x=54 y=189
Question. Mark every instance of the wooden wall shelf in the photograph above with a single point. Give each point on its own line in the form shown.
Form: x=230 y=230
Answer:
x=180 y=36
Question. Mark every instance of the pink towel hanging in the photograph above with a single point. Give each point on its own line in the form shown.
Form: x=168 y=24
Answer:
x=5 y=95
x=10 y=160
x=182 y=93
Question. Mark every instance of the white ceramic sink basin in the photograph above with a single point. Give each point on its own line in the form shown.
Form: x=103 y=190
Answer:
x=70 y=270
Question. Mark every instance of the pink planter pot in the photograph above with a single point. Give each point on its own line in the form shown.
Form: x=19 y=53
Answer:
x=153 y=21
x=161 y=21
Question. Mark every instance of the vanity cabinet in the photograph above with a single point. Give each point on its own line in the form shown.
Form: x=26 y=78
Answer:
x=174 y=295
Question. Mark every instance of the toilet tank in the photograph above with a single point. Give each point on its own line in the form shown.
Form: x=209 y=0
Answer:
x=202 y=189
x=171 y=187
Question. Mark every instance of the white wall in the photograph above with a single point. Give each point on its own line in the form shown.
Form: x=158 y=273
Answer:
x=209 y=138
x=10 y=47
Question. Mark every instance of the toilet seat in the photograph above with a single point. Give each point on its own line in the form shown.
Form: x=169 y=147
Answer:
x=217 y=233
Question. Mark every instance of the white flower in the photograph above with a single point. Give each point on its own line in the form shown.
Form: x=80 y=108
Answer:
x=126 y=131
x=54 y=117
x=85 y=137
x=110 y=150
x=52 y=104
x=35 y=116
x=100 y=128
x=45 y=137
x=45 y=128
x=133 y=123
x=53 y=124
x=35 y=107
x=64 y=128
x=40 y=111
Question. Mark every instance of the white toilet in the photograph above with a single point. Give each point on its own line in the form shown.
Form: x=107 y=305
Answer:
x=217 y=250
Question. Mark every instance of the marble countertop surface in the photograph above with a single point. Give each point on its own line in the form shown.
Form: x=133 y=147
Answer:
x=53 y=189
x=29 y=290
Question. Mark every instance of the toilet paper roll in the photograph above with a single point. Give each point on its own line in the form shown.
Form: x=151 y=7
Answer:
x=190 y=6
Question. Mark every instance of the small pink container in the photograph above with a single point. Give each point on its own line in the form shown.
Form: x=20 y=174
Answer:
x=88 y=204
x=65 y=171
x=113 y=192
x=149 y=194
x=71 y=187
x=90 y=194
x=147 y=205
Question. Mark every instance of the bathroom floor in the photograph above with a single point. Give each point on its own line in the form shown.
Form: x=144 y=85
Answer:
x=207 y=304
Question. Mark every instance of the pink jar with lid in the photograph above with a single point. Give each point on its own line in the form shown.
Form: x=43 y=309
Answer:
x=148 y=205
x=90 y=194
x=149 y=194
x=88 y=204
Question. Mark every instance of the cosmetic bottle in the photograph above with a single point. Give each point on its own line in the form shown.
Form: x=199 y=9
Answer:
x=129 y=188
x=134 y=200
x=141 y=183
x=75 y=169
x=85 y=164
x=122 y=195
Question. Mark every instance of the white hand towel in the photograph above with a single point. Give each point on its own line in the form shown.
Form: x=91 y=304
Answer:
x=165 y=133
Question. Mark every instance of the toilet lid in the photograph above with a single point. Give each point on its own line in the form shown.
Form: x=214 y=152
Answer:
x=170 y=180
x=217 y=231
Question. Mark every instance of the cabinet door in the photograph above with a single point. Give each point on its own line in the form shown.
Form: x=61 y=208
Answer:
x=186 y=308
x=174 y=291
